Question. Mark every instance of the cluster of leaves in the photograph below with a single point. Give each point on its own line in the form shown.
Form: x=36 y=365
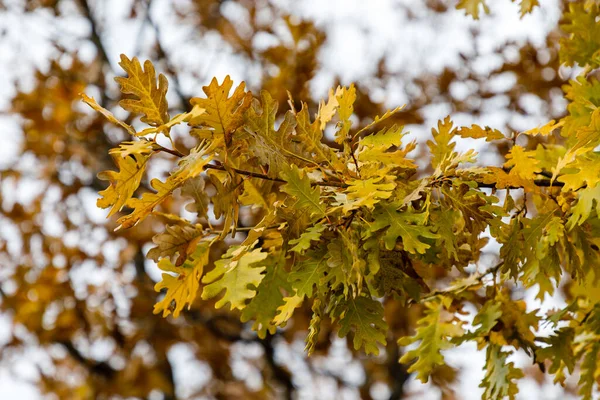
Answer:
x=346 y=225
x=62 y=147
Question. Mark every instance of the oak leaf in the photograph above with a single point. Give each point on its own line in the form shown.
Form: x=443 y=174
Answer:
x=498 y=382
x=149 y=97
x=234 y=274
x=175 y=239
x=309 y=137
x=189 y=167
x=263 y=307
x=346 y=99
x=298 y=186
x=435 y=331
x=107 y=114
x=477 y=132
x=328 y=110
x=364 y=317
x=364 y=193
x=269 y=145
x=302 y=244
x=182 y=288
x=123 y=183
x=286 y=310
x=308 y=273
x=407 y=225
x=222 y=114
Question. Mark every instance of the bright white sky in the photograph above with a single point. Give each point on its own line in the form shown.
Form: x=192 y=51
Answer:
x=359 y=32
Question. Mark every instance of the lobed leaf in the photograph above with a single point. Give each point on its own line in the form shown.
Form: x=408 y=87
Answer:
x=364 y=317
x=298 y=186
x=222 y=114
x=190 y=167
x=182 y=288
x=498 y=382
x=149 y=97
x=436 y=330
x=124 y=183
x=175 y=239
x=234 y=274
x=406 y=225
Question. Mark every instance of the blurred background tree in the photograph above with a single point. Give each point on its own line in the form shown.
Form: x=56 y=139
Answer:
x=77 y=297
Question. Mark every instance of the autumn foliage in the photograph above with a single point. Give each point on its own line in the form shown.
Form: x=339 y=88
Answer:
x=317 y=217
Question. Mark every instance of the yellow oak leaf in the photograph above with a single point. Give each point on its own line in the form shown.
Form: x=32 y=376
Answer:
x=378 y=119
x=503 y=180
x=90 y=101
x=522 y=163
x=365 y=193
x=149 y=98
x=585 y=204
x=327 y=110
x=435 y=331
x=190 y=166
x=196 y=112
x=252 y=197
x=442 y=146
x=309 y=137
x=286 y=310
x=183 y=287
x=586 y=140
x=234 y=274
x=346 y=99
x=477 y=132
x=123 y=183
x=223 y=114
x=546 y=129
x=383 y=148
x=314 y=327
x=138 y=147
x=143 y=206
x=584 y=171
x=526 y=6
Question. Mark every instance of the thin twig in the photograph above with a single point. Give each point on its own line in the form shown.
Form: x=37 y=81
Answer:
x=175 y=153
x=242 y=229
x=536 y=182
x=249 y=173
x=479 y=277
